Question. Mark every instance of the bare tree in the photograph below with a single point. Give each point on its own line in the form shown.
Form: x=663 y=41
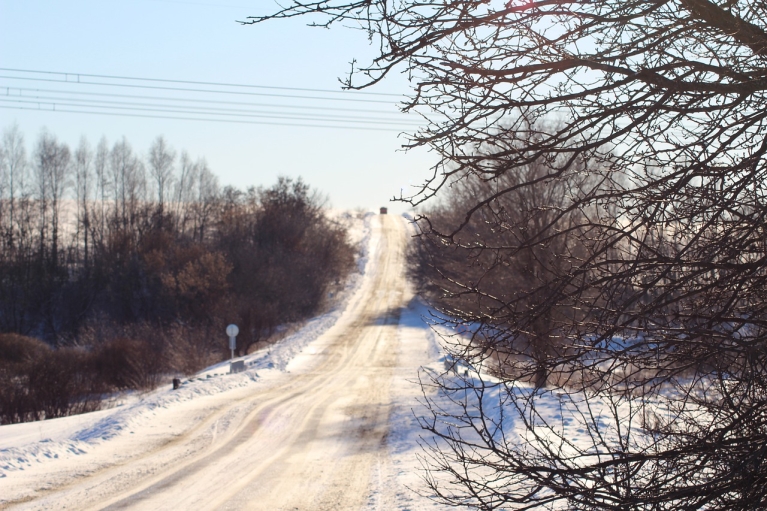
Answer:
x=83 y=163
x=17 y=186
x=128 y=180
x=52 y=165
x=185 y=188
x=15 y=161
x=3 y=183
x=206 y=200
x=506 y=260
x=659 y=399
x=100 y=168
x=161 y=162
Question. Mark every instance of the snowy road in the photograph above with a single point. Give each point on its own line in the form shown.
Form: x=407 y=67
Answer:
x=314 y=438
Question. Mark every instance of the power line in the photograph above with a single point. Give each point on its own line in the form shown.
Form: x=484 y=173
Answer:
x=184 y=89
x=195 y=100
x=115 y=105
x=190 y=82
x=201 y=103
x=236 y=121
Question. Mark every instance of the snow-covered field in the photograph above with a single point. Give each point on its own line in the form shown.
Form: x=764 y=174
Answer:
x=323 y=420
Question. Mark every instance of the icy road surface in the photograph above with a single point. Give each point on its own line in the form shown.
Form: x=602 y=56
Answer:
x=332 y=431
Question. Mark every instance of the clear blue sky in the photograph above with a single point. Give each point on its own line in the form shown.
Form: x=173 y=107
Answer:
x=201 y=41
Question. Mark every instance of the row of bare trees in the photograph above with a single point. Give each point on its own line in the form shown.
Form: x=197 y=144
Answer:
x=143 y=261
x=62 y=209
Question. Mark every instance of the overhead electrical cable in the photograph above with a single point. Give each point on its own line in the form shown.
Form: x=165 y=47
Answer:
x=237 y=121
x=200 y=100
x=195 y=110
x=192 y=100
x=191 y=82
x=183 y=89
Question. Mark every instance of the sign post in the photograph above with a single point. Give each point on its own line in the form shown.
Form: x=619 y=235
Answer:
x=232 y=332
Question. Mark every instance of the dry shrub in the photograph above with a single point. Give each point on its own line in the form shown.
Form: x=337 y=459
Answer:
x=37 y=382
x=124 y=363
x=63 y=383
x=17 y=350
x=191 y=349
x=16 y=354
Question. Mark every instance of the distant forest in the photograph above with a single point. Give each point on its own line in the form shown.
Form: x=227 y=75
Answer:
x=143 y=259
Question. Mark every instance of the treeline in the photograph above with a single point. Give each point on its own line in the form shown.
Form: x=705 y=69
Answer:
x=633 y=295
x=145 y=259
x=501 y=267
x=551 y=274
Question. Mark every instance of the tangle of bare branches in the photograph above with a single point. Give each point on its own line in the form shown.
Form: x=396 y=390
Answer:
x=601 y=235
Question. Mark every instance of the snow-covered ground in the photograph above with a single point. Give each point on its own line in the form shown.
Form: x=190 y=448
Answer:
x=26 y=446
x=323 y=420
x=326 y=419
